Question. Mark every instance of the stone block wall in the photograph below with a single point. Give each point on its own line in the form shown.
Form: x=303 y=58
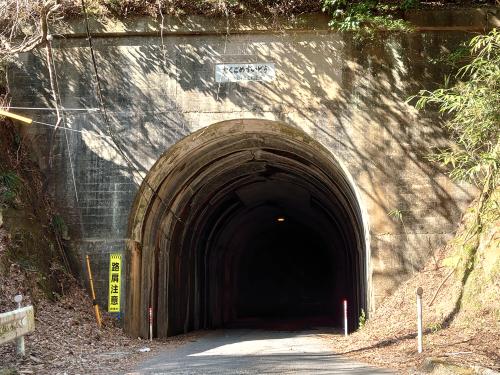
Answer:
x=348 y=94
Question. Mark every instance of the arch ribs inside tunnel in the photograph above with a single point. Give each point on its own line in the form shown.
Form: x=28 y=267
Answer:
x=243 y=223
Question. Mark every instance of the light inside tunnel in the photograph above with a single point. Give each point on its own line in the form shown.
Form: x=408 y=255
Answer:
x=251 y=222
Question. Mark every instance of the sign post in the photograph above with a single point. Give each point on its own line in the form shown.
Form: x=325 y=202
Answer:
x=345 y=318
x=94 y=301
x=20 y=340
x=420 y=291
x=150 y=323
x=15 y=324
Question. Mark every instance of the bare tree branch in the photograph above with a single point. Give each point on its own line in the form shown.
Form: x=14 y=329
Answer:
x=25 y=25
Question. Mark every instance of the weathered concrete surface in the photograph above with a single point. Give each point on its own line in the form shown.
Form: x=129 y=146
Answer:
x=254 y=352
x=470 y=19
x=349 y=95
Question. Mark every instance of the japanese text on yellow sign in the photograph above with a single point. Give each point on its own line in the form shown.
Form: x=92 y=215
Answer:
x=115 y=264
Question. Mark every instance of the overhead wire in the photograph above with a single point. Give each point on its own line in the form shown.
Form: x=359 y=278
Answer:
x=225 y=46
x=104 y=113
x=64 y=120
x=61 y=108
x=83 y=131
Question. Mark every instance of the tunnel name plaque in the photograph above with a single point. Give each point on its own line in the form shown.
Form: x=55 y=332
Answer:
x=245 y=72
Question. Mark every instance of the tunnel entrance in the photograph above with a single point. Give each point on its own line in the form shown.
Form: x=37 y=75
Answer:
x=242 y=222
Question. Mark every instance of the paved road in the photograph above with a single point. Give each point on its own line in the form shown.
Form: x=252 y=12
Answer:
x=254 y=352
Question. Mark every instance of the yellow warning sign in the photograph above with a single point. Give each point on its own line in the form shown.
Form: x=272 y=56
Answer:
x=115 y=268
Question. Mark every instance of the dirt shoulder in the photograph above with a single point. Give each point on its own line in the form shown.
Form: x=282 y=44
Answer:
x=67 y=341
x=461 y=321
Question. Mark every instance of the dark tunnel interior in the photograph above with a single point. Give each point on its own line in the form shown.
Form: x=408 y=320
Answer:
x=286 y=271
x=272 y=249
x=267 y=228
x=284 y=266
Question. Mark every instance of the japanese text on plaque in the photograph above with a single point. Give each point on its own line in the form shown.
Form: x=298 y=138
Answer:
x=115 y=263
x=245 y=72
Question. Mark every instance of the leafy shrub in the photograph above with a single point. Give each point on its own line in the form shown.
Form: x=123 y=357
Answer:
x=472 y=114
x=362 y=319
x=365 y=16
x=10 y=183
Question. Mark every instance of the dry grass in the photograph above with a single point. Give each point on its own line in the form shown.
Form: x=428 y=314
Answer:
x=67 y=340
x=461 y=328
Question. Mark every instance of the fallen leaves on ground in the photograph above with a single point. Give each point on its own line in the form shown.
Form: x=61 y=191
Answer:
x=67 y=341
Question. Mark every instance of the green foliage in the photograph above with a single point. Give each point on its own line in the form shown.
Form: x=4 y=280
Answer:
x=456 y=58
x=409 y=4
x=10 y=183
x=117 y=6
x=362 y=319
x=334 y=4
x=398 y=214
x=366 y=16
x=471 y=107
x=59 y=225
x=435 y=327
x=451 y=261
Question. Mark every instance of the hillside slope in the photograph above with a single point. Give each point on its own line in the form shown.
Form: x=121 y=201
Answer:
x=461 y=307
x=34 y=262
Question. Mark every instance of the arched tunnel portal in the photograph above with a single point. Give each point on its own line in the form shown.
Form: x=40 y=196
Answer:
x=243 y=221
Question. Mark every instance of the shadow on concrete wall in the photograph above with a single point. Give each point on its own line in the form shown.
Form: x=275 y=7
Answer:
x=349 y=95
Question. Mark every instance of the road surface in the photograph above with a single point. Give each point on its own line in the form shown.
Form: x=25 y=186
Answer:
x=240 y=351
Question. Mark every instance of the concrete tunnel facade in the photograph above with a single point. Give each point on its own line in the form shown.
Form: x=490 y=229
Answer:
x=245 y=220
x=190 y=194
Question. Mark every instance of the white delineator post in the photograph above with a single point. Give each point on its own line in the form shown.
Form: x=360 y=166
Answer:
x=151 y=324
x=20 y=340
x=419 y=319
x=345 y=317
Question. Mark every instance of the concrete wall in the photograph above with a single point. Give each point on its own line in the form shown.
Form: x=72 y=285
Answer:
x=348 y=94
